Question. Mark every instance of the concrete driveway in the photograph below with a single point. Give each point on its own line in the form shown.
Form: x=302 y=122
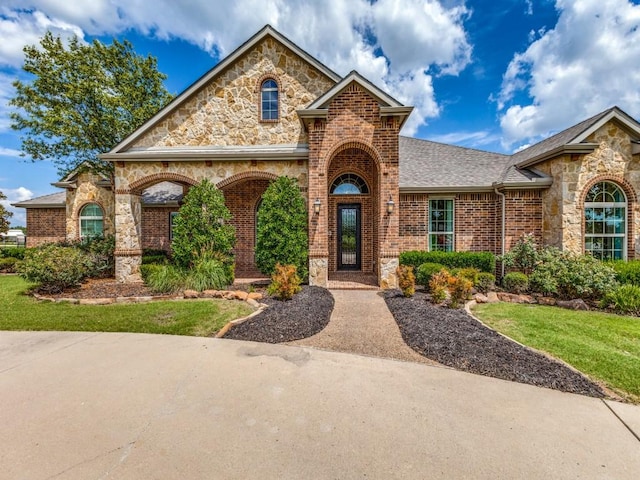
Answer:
x=127 y=406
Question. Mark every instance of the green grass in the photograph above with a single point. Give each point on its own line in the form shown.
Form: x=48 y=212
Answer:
x=193 y=317
x=604 y=346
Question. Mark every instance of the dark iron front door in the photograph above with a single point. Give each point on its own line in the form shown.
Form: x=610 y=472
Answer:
x=349 y=237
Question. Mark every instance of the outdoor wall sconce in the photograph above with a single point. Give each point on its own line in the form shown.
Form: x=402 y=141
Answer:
x=390 y=205
x=316 y=206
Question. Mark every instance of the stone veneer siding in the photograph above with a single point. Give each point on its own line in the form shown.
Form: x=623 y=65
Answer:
x=45 y=225
x=573 y=175
x=88 y=192
x=226 y=111
x=354 y=122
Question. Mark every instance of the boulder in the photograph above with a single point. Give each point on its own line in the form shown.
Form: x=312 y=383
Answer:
x=480 y=298
x=253 y=303
x=240 y=295
x=255 y=296
x=190 y=294
x=526 y=299
x=546 y=300
x=492 y=297
x=575 y=304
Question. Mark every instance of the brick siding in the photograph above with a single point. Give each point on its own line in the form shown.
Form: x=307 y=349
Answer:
x=155 y=227
x=45 y=225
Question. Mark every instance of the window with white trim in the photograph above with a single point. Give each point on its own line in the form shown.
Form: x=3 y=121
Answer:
x=91 y=221
x=605 y=221
x=441 y=226
x=269 y=100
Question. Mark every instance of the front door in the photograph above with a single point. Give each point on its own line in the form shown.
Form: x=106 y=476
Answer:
x=349 y=237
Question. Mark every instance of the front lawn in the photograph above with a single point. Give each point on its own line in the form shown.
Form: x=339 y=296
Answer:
x=604 y=346
x=193 y=317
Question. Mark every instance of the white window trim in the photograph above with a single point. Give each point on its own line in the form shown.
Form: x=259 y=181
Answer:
x=453 y=223
x=624 y=205
x=89 y=217
x=269 y=89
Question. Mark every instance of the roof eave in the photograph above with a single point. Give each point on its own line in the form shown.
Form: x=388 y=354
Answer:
x=527 y=185
x=447 y=189
x=39 y=205
x=185 y=156
x=562 y=150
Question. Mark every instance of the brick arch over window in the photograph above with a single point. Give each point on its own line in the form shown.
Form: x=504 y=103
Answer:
x=139 y=185
x=349 y=143
x=350 y=169
x=632 y=200
x=240 y=177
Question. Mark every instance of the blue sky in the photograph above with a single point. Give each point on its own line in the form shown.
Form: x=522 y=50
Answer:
x=490 y=74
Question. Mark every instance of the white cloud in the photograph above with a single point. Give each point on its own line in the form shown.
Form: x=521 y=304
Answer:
x=587 y=63
x=479 y=138
x=397 y=44
x=9 y=152
x=16 y=195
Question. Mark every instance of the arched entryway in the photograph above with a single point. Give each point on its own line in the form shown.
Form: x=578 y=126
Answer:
x=352 y=176
x=242 y=195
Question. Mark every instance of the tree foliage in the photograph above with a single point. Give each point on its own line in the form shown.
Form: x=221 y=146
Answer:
x=281 y=234
x=4 y=215
x=83 y=99
x=201 y=229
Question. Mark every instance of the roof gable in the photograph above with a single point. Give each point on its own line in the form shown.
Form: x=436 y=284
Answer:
x=574 y=138
x=264 y=33
x=382 y=97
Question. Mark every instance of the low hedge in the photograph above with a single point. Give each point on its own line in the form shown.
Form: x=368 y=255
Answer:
x=12 y=252
x=626 y=272
x=483 y=261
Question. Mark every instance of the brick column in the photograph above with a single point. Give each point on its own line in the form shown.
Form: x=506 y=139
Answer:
x=128 y=252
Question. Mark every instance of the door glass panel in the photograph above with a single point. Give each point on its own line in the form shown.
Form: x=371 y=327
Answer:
x=348 y=239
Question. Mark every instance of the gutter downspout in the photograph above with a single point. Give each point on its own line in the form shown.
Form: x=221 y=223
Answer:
x=503 y=227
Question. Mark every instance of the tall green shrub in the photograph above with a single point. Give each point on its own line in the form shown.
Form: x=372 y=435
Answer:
x=202 y=227
x=281 y=233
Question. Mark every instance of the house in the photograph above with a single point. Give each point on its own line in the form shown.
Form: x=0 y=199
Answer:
x=271 y=109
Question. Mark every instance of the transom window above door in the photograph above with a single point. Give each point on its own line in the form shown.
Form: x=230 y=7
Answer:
x=349 y=184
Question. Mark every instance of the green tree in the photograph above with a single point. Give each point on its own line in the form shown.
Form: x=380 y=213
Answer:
x=4 y=215
x=83 y=99
x=281 y=234
x=201 y=229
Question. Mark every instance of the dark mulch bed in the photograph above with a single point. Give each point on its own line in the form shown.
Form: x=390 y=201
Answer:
x=102 y=288
x=453 y=338
x=284 y=321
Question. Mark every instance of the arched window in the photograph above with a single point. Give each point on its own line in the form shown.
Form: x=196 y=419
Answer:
x=269 y=100
x=349 y=184
x=605 y=221
x=91 y=221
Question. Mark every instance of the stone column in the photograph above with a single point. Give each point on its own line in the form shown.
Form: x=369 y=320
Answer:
x=128 y=252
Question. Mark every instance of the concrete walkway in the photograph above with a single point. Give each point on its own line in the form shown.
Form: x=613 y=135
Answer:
x=361 y=323
x=130 y=406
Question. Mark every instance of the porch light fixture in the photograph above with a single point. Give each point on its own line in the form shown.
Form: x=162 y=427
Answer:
x=390 y=205
x=316 y=206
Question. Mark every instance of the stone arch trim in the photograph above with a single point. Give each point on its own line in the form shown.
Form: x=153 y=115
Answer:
x=627 y=188
x=139 y=185
x=351 y=142
x=632 y=200
x=250 y=175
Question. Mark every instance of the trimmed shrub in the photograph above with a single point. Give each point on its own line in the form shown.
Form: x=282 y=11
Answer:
x=406 y=280
x=202 y=226
x=99 y=251
x=285 y=282
x=281 y=231
x=426 y=271
x=12 y=252
x=459 y=290
x=624 y=299
x=568 y=275
x=485 y=282
x=515 y=282
x=626 y=272
x=54 y=268
x=483 y=261
x=470 y=274
x=163 y=278
x=523 y=256
x=438 y=286
x=207 y=274
x=8 y=265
